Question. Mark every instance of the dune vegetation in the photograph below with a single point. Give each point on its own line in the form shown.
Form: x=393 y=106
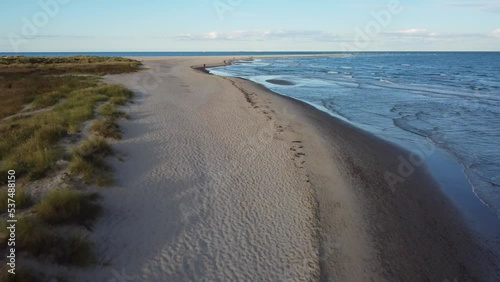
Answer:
x=45 y=105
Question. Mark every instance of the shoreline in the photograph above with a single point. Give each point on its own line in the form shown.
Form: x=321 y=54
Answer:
x=363 y=162
x=484 y=241
x=239 y=199
x=480 y=216
x=477 y=214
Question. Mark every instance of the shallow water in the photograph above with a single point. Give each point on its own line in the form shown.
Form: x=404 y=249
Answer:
x=449 y=99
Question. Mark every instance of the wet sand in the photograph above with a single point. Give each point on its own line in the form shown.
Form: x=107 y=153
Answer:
x=221 y=179
x=280 y=82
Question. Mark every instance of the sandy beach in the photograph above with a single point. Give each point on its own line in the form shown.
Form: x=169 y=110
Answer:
x=220 y=179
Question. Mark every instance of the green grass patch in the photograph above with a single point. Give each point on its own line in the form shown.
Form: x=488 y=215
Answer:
x=106 y=128
x=58 y=95
x=115 y=91
x=47 y=100
x=29 y=145
x=110 y=110
x=17 y=90
x=93 y=147
x=120 y=101
x=64 y=65
x=68 y=206
x=88 y=161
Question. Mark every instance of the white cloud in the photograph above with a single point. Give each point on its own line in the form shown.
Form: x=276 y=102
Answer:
x=328 y=40
x=266 y=34
x=487 y=6
x=424 y=34
x=412 y=32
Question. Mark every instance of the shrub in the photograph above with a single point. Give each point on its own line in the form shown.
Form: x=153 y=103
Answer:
x=68 y=206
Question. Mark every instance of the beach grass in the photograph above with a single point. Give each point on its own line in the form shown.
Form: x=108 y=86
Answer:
x=68 y=206
x=88 y=161
x=29 y=144
x=106 y=127
x=45 y=80
x=120 y=101
x=64 y=65
x=76 y=251
x=33 y=236
x=110 y=110
x=43 y=102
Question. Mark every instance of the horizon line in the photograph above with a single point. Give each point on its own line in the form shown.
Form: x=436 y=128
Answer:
x=245 y=51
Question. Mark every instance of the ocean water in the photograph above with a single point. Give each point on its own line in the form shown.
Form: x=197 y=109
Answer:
x=449 y=100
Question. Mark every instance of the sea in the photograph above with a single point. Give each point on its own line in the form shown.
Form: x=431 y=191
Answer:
x=449 y=102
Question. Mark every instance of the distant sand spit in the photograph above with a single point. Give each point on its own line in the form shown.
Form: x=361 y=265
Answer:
x=222 y=180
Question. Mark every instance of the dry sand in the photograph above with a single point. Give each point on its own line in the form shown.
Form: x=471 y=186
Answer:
x=222 y=180
x=207 y=190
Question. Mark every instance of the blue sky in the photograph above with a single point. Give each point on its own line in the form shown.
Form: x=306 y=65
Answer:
x=248 y=25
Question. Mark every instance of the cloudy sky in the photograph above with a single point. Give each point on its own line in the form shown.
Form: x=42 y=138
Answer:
x=248 y=25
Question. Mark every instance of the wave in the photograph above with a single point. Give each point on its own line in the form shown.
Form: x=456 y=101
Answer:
x=388 y=81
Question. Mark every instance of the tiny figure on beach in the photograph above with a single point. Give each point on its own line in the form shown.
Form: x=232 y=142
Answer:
x=204 y=65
